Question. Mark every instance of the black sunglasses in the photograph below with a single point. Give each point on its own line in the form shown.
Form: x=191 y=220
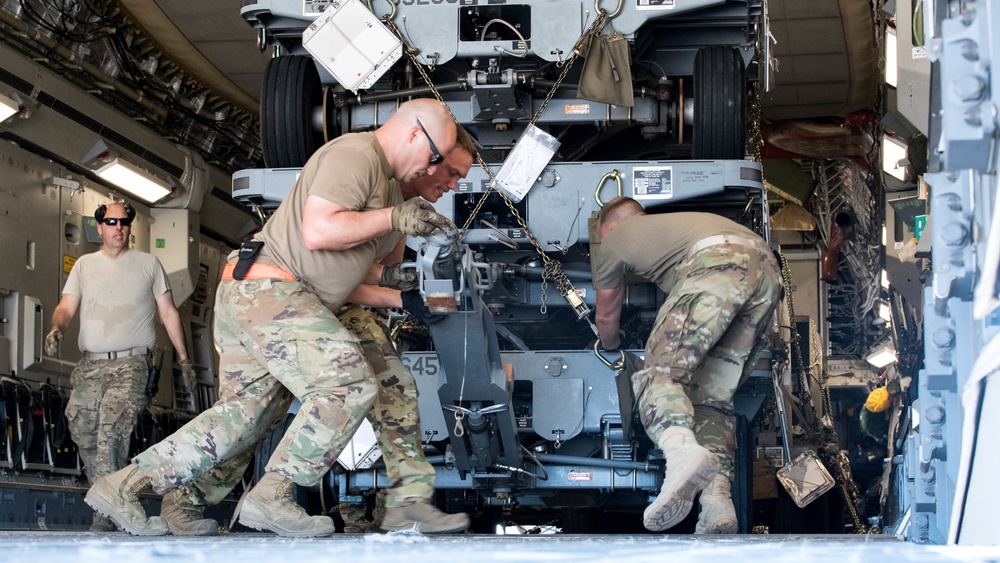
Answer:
x=436 y=157
x=112 y=221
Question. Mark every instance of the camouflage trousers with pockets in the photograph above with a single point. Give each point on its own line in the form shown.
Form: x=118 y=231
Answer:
x=271 y=336
x=394 y=417
x=103 y=409
x=705 y=341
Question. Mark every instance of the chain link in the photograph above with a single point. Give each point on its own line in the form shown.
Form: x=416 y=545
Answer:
x=755 y=136
x=831 y=453
x=552 y=267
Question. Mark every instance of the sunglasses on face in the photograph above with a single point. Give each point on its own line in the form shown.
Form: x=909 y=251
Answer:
x=436 y=157
x=113 y=221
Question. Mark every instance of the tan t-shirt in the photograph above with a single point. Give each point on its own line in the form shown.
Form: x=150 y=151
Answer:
x=651 y=247
x=350 y=171
x=117 y=299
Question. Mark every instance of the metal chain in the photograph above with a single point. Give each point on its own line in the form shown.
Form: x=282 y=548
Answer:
x=756 y=136
x=552 y=267
x=544 y=308
x=831 y=452
x=803 y=395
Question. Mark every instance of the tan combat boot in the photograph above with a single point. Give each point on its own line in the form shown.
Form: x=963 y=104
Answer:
x=423 y=517
x=184 y=518
x=117 y=497
x=690 y=468
x=718 y=515
x=270 y=506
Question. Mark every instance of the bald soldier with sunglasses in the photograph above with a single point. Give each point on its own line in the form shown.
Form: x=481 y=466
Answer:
x=117 y=291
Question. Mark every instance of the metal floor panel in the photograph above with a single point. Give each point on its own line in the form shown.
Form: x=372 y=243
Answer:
x=39 y=547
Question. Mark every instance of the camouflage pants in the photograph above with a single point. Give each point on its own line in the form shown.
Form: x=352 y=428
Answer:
x=103 y=409
x=394 y=417
x=272 y=336
x=705 y=335
x=211 y=487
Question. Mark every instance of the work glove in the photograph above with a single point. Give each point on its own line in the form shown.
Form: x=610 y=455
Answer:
x=396 y=278
x=413 y=304
x=188 y=376
x=416 y=218
x=52 y=340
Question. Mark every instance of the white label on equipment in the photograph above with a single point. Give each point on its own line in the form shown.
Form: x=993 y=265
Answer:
x=652 y=182
x=654 y=5
x=580 y=476
x=525 y=163
x=351 y=44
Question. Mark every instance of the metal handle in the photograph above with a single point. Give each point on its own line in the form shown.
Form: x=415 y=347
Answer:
x=613 y=175
x=618 y=10
x=617 y=364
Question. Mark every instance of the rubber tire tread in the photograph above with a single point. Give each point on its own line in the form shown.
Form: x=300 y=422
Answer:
x=290 y=93
x=720 y=100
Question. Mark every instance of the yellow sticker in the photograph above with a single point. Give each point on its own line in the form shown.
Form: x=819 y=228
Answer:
x=68 y=262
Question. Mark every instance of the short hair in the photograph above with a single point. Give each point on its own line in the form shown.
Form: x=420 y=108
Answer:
x=617 y=210
x=464 y=141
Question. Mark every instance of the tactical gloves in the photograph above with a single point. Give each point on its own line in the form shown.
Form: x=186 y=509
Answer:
x=395 y=278
x=52 y=340
x=417 y=218
x=188 y=376
x=413 y=303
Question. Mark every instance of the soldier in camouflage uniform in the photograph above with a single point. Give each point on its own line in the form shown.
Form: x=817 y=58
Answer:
x=394 y=415
x=117 y=291
x=276 y=331
x=722 y=284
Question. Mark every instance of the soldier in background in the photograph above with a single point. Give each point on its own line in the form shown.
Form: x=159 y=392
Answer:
x=117 y=291
x=722 y=284
x=394 y=416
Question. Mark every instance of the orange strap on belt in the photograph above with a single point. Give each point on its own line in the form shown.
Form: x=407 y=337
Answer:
x=259 y=271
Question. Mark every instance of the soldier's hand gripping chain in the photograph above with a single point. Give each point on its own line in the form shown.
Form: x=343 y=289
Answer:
x=395 y=278
x=188 y=376
x=52 y=340
x=413 y=303
x=416 y=217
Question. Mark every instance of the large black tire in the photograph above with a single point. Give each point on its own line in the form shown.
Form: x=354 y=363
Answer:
x=291 y=95
x=720 y=100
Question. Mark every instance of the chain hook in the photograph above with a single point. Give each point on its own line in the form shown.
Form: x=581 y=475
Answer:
x=459 y=428
x=618 y=9
x=613 y=175
x=616 y=365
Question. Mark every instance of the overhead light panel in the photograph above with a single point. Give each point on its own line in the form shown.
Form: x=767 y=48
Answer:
x=882 y=356
x=894 y=158
x=134 y=180
x=8 y=107
x=890 y=57
x=108 y=164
